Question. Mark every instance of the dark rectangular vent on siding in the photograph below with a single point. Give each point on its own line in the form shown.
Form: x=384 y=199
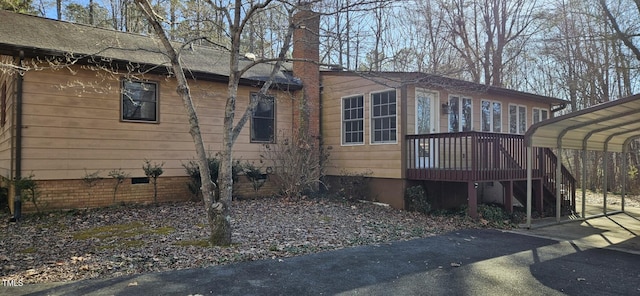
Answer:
x=140 y=180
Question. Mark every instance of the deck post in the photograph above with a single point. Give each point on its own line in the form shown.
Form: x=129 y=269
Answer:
x=508 y=196
x=539 y=197
x=473 y=200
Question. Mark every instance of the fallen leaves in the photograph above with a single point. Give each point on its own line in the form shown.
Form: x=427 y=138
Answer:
x=109 y=242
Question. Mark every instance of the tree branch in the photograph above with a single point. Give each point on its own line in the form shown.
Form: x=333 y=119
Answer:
x=622 y=36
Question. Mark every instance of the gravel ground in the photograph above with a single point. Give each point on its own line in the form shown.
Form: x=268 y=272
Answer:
x=109 y=242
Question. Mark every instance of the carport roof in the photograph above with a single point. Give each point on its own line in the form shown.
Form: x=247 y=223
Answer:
x=607 y=126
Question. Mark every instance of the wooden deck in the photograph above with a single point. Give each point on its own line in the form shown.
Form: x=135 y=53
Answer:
x=481 y=157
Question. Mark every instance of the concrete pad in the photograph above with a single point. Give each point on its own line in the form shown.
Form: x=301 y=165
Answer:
x=619 y=231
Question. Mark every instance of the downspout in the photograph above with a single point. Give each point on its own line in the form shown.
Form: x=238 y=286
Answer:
x=322 y=162
x=18 y=173
x=17 y=208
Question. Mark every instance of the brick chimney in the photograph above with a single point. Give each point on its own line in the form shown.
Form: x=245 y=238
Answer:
x=306 y=56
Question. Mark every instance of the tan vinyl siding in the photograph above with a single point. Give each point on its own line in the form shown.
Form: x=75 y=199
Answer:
x=7 y=80
x=382 y=160
x=72 y=124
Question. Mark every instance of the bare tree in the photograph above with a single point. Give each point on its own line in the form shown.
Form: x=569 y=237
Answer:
x=422 y=33
x=237 y=15
x=625 y=36
x=489 y=34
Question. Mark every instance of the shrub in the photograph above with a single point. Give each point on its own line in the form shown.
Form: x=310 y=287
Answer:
x=119 y=176
x=91 y=180
x=297 y=163
x=353 y=185
x=416 y=199
x=213 y=162
x=28 y=190
x=153 y=171
x=495 y=215
x=254 y=174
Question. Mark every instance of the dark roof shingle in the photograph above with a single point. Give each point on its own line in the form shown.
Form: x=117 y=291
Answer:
x=41 y=36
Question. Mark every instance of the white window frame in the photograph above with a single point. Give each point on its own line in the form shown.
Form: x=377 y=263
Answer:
x=342 y=120
x=492 y=125
x=372 y=140
x=518 y=119
x=435 y=109
x=533 y=112
x=460 y=100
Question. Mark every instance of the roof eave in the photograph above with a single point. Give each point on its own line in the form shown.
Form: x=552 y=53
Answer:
x=29 y=52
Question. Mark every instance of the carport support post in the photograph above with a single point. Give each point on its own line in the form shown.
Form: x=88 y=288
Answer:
x=559 y=183
x=624 y=176
x=605 y=167
x=584 y=180
x=529 y=185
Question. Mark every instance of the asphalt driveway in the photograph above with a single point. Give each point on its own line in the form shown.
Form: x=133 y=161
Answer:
x=469 y=262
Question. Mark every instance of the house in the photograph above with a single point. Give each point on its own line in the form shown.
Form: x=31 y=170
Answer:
x=463 y=142
x=100 y=100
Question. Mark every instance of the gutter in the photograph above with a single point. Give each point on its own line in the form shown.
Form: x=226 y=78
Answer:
x=559 y=108
x=17 y=208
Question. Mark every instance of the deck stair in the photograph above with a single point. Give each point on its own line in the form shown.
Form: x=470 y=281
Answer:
x=482 y=157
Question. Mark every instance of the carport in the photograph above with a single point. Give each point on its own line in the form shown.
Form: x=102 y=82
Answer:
x=606 y=127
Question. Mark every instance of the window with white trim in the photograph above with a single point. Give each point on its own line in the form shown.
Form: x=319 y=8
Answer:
x=460 y=111
x=491 y=112
x=139 y=101
x=539 y=114
x=383 y=117
x=517 y=119
x=353 y=120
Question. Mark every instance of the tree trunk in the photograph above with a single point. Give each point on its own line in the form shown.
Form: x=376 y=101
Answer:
x=220 y=215
x=214 y=210
x=219 y=220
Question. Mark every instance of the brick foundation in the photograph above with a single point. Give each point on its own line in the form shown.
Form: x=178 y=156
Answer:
x=75 y=194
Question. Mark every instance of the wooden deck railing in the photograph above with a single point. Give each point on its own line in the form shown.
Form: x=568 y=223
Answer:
x=476 y=156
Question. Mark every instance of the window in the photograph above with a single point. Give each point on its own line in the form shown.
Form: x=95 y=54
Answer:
x=353 y=120
x=383 y=117
x=491 y=116
x=139 y=101
x=540 y=114
x=263 y=123
x=459 y=114
x=517 y=119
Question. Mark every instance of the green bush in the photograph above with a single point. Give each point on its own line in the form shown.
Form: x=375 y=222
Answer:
x=153 y=171
x=213 y=162
x=28 y=189
x=254 y=174
x=354 y=185
x=416 y=199
x=494 y=214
